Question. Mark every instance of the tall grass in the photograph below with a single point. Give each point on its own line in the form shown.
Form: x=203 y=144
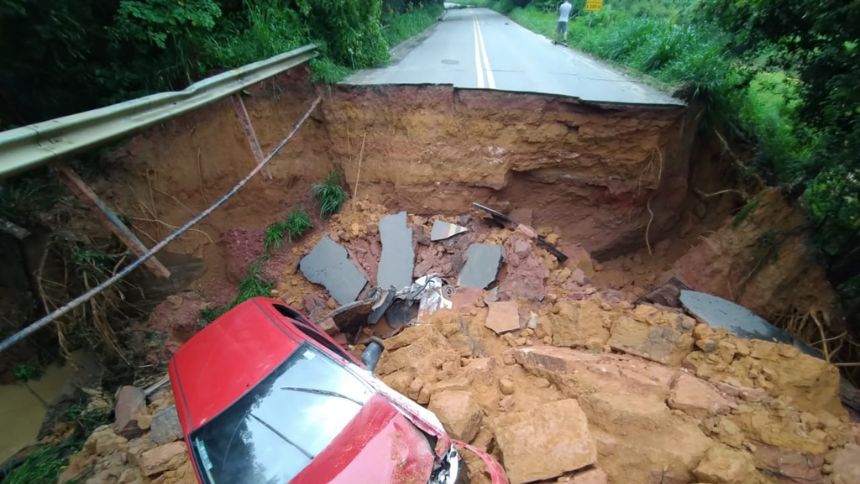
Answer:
x=330 y=194
x=399 y=26
x=659 y=39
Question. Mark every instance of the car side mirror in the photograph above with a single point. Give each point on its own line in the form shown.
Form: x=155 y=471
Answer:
x=371 y=354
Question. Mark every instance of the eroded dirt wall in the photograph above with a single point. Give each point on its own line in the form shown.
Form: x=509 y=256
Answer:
x=589 y=169
x=165 y=175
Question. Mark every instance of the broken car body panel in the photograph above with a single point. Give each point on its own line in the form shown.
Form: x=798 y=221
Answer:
x=263 y=395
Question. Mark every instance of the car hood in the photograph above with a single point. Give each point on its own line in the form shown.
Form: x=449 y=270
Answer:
x=379 y=445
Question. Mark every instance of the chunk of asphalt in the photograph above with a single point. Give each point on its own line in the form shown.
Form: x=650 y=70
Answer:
x=717 y=312
x=328 y=264
x=482 y=265
x=443 y=230
x=398 y=258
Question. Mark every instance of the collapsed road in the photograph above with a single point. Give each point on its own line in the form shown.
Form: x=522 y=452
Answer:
x=584 y=368
x=556 y=377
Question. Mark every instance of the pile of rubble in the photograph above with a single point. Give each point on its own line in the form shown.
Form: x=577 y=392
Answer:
x=638 y=394
x=525 y=358
x=144 y=444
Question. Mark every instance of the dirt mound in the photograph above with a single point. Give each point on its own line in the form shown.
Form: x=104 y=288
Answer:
x=155 y=455
x=762 y=260
x=650 y=422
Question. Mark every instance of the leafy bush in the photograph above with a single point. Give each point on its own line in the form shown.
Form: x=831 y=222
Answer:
x=25 y=372
x=399 y=26
x=292 y=228
x=251 y=286
x=298 y=222
x=330 y=194
x=109 y=50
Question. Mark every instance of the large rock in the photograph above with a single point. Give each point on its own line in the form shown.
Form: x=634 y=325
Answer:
x=580 y=323
x=789 y=465
x=165 y=426
x=459 y=413
x=130 y=404
x=845 y=468
x=723 y=465
x=697 y=397
x=663 y=336
x=582 y=372
x=545 y=441
x=162 y=458
x=591 y=476
x=503 y=316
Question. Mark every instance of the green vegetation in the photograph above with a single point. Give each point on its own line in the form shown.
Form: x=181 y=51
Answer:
x=104 y=51
x=330 y=194
x=25 y=372
x=44 y=463
x=87 y=420
x=399 y=26
x=251 y=286
x=292 y=228
x=779 y=76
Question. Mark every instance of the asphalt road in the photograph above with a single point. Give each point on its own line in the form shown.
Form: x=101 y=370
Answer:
x=479 y=48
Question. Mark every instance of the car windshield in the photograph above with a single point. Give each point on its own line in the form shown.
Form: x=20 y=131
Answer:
x=276 y=429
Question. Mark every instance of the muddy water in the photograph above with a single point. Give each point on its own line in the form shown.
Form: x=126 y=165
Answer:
x=23 y=406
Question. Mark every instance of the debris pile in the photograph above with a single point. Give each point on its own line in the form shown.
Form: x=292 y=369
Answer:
x=533 y=361
x=143 y=445
x=519 y=354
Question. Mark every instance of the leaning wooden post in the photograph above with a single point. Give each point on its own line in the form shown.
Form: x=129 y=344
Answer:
x=86 y=195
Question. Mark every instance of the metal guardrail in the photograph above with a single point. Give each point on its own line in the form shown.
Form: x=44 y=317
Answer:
x=30 y=146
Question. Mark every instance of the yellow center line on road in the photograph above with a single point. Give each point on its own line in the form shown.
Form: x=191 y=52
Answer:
x=491 y=80
x=478 y=68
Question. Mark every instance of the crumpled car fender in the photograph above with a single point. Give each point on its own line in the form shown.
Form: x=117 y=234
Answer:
x=497 y=472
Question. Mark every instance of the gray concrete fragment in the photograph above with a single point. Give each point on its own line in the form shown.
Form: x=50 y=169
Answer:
x=482 y=265
x=398 y=258
x=328 y=264
x=717 y=312
x=444 y=230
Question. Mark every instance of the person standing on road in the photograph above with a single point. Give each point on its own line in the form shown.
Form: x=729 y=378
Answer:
x=563 y=16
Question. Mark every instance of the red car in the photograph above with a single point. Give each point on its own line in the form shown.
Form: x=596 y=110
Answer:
x=263 y=395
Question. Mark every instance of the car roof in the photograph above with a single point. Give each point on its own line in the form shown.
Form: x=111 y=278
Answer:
x=227 y=358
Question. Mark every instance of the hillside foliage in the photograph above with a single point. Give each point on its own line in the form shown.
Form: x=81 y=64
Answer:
x=780 y=76
x=66 y=56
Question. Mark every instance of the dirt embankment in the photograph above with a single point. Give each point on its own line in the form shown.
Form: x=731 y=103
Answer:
x=607 y=176
x=651 y=395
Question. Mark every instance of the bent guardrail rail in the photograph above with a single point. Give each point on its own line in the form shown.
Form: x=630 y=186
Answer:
x=30 y=146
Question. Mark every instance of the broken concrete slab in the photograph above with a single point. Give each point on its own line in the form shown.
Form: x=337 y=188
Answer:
x=398 y=257
x=482 y=265
x=444 y=230
x=328 y=264
x=545 y=441
x=503 y=316
x=717 y=312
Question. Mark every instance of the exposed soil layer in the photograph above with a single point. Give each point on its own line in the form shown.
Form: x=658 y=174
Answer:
x=612 y=178
x=618 y=389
